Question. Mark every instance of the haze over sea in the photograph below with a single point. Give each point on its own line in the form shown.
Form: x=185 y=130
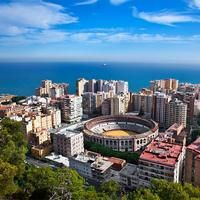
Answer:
x=23 y=78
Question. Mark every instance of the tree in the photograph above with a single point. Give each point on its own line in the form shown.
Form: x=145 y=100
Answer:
x=111 y=188
x=143 y=194
x=48 y=182
x=13 y=146
x=7 y=174
x=193 y=192
x=168 y=190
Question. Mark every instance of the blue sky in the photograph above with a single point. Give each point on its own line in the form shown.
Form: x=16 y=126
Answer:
x=105 y=30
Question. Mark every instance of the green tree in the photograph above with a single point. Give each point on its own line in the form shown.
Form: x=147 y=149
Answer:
x=13 y=145
x=168 y=190
x=143 y=194
x=193 y=192
x=13 y=148
x=7 y=174
x=49 y=182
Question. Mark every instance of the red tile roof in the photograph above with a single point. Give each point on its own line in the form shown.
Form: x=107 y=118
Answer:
x=162 y=153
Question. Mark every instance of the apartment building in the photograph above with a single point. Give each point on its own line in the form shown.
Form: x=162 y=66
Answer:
x=161 y=160
x=176 y=112
x=71 y=108
x=68 y=143
x=192 y=163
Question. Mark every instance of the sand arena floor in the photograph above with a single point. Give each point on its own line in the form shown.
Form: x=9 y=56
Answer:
x=118 y=133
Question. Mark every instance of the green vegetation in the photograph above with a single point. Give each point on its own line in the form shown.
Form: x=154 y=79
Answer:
x=164 y=190
x=19 y=181
x=105 y=151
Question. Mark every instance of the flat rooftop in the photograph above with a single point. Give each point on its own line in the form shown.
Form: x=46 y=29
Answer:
x=117 y=160
x=67 y=133
x=102 y=164
x=162 y=153
x=195 y=146
x=58 y=159
x=84 y=158
x=129 y=169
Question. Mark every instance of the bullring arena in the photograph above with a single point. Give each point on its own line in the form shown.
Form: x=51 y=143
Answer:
x=121 y=133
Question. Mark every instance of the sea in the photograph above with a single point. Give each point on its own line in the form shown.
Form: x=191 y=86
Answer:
x=21 y=78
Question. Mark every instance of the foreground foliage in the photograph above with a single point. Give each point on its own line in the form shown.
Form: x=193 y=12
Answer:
x=19 y=181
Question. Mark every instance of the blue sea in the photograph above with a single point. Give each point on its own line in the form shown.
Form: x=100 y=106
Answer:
x=23 y=78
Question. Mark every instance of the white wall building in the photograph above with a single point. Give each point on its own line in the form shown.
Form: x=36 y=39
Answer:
x=121 y=87
x=161 y=160
x=129 y=176
x=71 y=108
x=68 y=143
x=159 y=108
x=176 y=112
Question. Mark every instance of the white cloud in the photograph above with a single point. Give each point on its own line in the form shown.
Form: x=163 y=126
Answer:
x=194 y=3
x=109 y=36
x=118 y=2
x=87 y=2
x=165 y=17
x=21 y=17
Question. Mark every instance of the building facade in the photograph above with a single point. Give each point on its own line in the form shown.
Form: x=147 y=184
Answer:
x=192 y=163
x=176 y=112
x=161 y=160
x=68 y=143
x=71 y=108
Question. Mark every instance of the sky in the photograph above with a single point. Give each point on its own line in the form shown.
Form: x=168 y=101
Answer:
x=163 y=31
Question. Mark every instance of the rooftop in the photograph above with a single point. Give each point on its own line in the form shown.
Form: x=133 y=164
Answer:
x=129 y=169
x=3 y=107
x=162 y=153
x=84 y=158
x=195 y=146
x=102 y=164
x=67 y=133
x=58 y=159
x=117 y=160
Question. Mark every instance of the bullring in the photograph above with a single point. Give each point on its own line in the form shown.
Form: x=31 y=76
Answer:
x=121 y=133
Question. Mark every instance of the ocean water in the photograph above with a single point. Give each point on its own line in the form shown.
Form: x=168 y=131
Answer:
x=23 y=78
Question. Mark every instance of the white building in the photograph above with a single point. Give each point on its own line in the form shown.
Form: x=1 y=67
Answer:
x=82 y=164
x=68 y=143
x=142 y=102
x=161 y=160
x=118 y=105
x=52 y=90
x=92 y=166
x=89 y=103
x=121 y=87
x=176 y=112
x=129 y=176
x=159 y=108
x=71 y=108
x=81 y=86
x=197 y=107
